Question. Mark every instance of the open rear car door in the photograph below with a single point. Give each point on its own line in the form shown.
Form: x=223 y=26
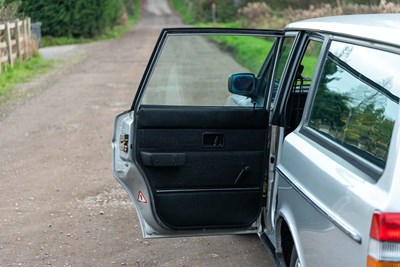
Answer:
x=191 y=153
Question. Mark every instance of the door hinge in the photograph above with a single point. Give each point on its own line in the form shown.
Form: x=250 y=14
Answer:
x=123 y=142
x=264 y=193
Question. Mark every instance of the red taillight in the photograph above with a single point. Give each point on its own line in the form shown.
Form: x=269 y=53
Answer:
x=384 y=244
x=386 y=227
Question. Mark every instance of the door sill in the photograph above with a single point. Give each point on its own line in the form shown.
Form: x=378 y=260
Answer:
x=269 y=247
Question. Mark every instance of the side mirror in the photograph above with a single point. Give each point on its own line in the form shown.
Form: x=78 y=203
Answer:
x=242 y=84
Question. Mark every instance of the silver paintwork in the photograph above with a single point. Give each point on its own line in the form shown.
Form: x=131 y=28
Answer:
x=328 y=203
x=380 y=27
x=129 y=176
x=344 y=198
x=348 y=230
x=276 y=136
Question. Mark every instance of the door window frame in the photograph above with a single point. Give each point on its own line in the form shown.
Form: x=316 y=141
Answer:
x=198 y=32
x=289 y=74
x=290 y=34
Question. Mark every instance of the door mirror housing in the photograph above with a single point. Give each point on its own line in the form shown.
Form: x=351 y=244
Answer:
x=242 y=84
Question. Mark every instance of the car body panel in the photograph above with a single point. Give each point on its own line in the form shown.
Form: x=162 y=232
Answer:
x=325 y=196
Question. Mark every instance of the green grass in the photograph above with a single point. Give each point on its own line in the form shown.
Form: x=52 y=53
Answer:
x=309 y=63
x=53 y=41
x=182 y=9
x=112 y=33
x=20 y=73
x=218 y=25
x=248 y=51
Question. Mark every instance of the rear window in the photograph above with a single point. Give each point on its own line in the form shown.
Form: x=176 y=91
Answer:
x=356 y=102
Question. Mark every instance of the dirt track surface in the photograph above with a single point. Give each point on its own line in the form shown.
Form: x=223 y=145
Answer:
x=60 y=205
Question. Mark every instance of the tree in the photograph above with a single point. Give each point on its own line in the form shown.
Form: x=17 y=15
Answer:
x=330 y=108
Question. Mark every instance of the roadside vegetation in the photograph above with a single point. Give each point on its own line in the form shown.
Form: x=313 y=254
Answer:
x=111 y=33
x=252 y=58
x=261 y=15
x=265 y=14
x=129 y=16
x=22 y=71
x=80 y=21
x=273 y=13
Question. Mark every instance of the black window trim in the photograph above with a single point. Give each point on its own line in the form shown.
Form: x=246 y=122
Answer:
x=289 y=34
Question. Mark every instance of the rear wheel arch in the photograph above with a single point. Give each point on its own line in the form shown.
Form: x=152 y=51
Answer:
x=285 y=241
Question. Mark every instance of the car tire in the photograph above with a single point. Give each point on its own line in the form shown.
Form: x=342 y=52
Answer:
x=294 y=258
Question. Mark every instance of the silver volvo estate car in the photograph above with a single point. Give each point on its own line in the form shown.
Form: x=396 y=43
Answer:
x=292 y=134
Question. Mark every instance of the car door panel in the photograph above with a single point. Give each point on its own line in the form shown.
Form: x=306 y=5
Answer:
x=199 y=117
x=213 y=209
x=191 y=159
x=190 y=175
x=197 y=185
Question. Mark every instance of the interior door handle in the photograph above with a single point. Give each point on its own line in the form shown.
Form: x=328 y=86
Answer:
x=214 y=140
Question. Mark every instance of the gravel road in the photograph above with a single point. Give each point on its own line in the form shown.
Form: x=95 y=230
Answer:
x=60 y=204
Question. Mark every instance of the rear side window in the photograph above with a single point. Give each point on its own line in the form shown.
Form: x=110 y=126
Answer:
x=356 y=102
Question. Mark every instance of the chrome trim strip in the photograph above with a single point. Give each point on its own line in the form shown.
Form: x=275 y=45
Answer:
x=166 y=191
x=332 y=218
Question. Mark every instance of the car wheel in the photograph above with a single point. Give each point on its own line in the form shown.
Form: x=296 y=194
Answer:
x=294 y=258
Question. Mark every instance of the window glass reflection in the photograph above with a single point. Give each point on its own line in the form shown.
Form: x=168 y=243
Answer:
x=356 y=103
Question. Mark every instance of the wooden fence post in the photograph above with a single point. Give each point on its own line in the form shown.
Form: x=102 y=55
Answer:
x=26 y=42
x=9 y=44
x=3 y=47
x=29 y=37
x=17 y=37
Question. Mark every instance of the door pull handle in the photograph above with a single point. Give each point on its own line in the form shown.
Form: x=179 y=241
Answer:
x=242 y=174
x=213 y=140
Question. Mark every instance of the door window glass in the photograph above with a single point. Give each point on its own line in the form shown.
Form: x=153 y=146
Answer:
x=194 y=70
x=356 y=102
x=283 y=57
x=301 y=85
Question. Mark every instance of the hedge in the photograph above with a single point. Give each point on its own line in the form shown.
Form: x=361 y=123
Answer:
x=75 y=18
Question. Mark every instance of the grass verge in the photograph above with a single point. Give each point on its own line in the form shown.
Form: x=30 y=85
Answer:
x=183 y=11
x=20 y=73
x=248 y=51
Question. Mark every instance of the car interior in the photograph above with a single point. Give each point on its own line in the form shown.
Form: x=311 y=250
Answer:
x=297 y=100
